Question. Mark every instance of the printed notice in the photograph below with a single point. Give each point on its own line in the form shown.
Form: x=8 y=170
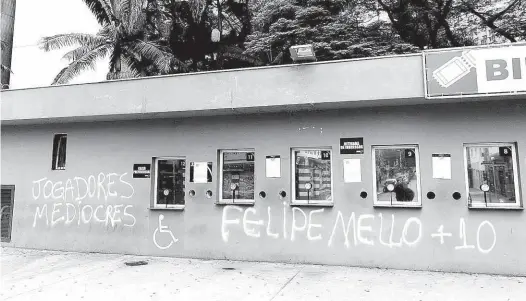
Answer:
x=352 y=171
x=273 y=166
x=200 y=172
x=441 y=166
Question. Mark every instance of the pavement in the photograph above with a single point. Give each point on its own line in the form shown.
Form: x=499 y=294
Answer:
x=51 y=275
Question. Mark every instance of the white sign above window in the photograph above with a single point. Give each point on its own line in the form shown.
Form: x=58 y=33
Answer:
x=476 y=71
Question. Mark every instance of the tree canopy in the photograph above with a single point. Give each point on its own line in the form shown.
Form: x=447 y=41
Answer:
x=152 y=37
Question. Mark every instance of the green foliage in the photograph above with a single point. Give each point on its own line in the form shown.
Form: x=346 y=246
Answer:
x=506 y=18
x=153 y=37
x=423 y=23
x=336 y=29
x=188 y=29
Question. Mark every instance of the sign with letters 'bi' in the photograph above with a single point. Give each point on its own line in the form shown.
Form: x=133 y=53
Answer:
x=476 y=71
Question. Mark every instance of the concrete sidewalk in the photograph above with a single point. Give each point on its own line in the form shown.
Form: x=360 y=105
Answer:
x=49 y=275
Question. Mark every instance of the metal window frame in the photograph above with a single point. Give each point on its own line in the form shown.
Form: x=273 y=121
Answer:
x=293 y=200
x=220 y=199
x=418 y=193
x=516 y=180
x=155 y=168
x=12 y=204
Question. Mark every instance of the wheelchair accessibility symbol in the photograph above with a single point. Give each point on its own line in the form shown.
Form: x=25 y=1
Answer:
x=163 y=229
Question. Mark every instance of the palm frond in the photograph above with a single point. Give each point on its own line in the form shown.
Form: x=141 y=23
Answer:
x=108 y=32
x=97 y=8
x=79 y=52
x=87 y=61
x=127 y=72
x=162 y=60
x=70 y=39
x=122 y=9
x=107 y=6
x=238 y=53
x=136 y=18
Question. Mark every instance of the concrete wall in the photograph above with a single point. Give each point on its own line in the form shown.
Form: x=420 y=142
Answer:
x=99 y=149
x=353 y=82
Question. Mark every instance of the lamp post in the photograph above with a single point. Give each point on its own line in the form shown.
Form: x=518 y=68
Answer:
x=233 y=187
x=485 y=187
x=390 y=188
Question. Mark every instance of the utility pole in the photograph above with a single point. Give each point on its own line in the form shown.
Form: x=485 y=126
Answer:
x=8 y=25
x=219 y=16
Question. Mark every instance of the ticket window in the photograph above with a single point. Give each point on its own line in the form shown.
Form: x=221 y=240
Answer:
x=491 y=175
x=312 y=177
x=236 y=177
x=169 y=183
x=396 y=176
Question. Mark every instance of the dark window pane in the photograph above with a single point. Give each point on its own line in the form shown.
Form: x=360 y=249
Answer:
x=313 y=168
x=59 y=152
x=61 y=164
x=170 y=182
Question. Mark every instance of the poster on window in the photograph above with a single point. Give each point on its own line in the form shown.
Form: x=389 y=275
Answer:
x=396 y=174
x=237 y=176
x=491 y=174
x=313 y=175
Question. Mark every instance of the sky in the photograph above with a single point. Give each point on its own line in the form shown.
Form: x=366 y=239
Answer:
x=34 y=19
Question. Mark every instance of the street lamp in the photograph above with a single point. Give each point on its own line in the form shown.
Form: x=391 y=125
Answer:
x=302 y=53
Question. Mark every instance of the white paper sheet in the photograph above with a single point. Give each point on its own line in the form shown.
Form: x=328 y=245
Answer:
x=273 y=167
x=441 y=166
x=200 y=172
x=352 y=171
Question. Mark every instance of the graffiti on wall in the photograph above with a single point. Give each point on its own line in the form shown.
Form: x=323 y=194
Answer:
x=78 y=200
x=350 y=230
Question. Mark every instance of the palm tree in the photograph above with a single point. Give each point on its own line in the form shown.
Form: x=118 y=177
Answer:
x=188 y=27
x=3 y=45
x=122 y=38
